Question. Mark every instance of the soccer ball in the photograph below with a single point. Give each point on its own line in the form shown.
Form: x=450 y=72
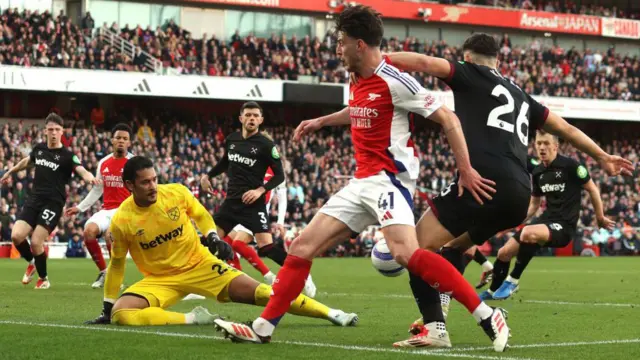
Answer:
x=383 y=260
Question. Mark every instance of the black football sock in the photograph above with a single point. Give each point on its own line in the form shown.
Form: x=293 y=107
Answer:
x=427 y=299
x=455 y=257
x=25 y=250
x=273 y=252
x=41 y=264
x=500 y=271
x=479 y=257
x=525 y=254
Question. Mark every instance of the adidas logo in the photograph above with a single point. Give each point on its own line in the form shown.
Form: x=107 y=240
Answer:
x=142 y=87
x=255 y=92
x=201 y=90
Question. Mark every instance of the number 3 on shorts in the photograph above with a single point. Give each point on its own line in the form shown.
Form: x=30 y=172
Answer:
x=263 y=218
x=48 y=215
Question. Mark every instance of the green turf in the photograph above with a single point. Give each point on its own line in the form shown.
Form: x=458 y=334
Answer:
x=603 y=309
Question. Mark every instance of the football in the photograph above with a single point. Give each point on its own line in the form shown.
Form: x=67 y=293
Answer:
x=383 y=260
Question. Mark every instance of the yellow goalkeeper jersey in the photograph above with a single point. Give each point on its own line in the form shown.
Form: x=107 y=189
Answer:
x=161 y=238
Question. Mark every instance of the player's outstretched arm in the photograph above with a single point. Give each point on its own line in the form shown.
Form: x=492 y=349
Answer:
x=469 y=177
x=339 y=118
x=409 y=61
x=91 y=198
x=613 y=165
x=21 y=165
x=596 y=201
x=207 y=226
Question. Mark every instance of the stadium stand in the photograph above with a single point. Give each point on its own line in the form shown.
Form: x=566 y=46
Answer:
x=39 y=39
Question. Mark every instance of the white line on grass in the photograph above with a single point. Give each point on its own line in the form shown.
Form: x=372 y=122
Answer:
x=451 y=354
x=550 y=345
x=544 y=302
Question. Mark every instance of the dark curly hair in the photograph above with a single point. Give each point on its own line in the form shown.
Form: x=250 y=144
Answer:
x=482 y=44
x=361 y=23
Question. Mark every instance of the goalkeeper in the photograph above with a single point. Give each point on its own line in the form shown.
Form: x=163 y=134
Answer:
x=154 y=225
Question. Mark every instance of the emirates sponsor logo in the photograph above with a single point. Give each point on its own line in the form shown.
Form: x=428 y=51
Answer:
x=363 y=112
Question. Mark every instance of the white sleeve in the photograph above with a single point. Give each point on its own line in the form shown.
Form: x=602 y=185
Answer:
x=282 y=204
x=408 y=94
x=93 y=195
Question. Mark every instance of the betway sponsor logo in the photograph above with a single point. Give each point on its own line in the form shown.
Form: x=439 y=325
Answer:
x=363 y=112
x=162 y=238
x=560 y=22
x=553 y=188
x=46 y=163
x=241 y=159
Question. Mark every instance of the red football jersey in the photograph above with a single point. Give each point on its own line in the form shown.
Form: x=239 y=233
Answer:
x=110 y=172
x=379 y=107
x=267 y=176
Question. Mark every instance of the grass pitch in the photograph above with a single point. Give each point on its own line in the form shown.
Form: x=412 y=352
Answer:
x=567 y=308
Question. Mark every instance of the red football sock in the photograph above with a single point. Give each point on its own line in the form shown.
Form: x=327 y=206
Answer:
x=250 y=255
x=96 y=253
x=235 y=262
x=443 y=276
x=288 y=285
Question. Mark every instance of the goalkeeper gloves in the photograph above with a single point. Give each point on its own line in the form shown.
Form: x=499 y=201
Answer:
x=105 y=317
x=219 y=248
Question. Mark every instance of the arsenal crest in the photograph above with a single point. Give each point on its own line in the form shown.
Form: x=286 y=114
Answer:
x=173 y=213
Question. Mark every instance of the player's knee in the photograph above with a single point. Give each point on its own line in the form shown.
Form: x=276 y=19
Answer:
x=91 y=233
x=529 y=236
x=17 y=238
x=302 y=247
x=504 y=254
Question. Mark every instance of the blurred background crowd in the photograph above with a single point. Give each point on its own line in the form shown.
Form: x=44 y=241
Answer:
x=39 y=39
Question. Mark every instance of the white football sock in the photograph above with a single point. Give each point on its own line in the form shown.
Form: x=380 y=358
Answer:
x=512 y=280
x=263 y=327
x=482 y=312
x=487 y=266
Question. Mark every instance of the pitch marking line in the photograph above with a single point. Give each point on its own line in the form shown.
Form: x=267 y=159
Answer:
x=451 y=354
x=544 y=302
x=548 y=345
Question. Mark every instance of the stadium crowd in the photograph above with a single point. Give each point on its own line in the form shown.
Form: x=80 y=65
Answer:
x=315 y=169
x=40 y=39
x=567 y=7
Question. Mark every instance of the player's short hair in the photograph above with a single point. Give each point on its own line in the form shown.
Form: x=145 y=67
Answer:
x=133 y=165
x=542 y=133
x=361 y=23
x=251 y=105
x=121 y=127
x=482 y=44
x=54 y=118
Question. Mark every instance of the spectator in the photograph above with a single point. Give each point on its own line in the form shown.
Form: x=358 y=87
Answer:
x=75 y=247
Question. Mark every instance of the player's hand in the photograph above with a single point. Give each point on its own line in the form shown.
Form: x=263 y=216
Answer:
x=252 y=195
x=605 y=222
x=281 y=229
x=71 y=211
x=105 y=316
x=219 y=248
x=5 y=178
x=614 y=165
x=306 y=127
x=478 y=186
x=205 y=184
